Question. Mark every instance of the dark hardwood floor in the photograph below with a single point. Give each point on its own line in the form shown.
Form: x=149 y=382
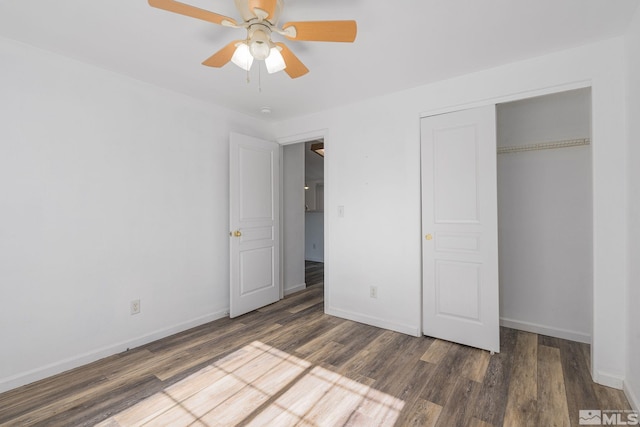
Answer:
x=290 y=364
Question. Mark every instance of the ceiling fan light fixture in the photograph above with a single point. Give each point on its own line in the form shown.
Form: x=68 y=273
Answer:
x=259 y=45
x=275 y=61
x=318 y=148
x=242 y=57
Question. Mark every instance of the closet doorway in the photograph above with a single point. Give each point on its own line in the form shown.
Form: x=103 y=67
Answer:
x=545 y=214
x=542 y=165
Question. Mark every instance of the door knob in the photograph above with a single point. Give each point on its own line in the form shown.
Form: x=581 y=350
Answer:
x=237 y=233
x=428 y=237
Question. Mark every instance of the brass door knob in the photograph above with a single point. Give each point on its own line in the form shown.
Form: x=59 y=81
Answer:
x=237 y=233
x=428 y=237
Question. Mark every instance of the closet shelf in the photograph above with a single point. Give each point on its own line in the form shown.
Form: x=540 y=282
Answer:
x=545 y=146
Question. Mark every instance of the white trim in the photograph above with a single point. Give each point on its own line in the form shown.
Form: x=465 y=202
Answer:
x=313 y=259
x=374 y=321
x=631 y=397
x=283 y=291
x=609 y=380
x=302 y=137
x=294 y=289
x=517 y=96
x=546 y=330
x=37 y=374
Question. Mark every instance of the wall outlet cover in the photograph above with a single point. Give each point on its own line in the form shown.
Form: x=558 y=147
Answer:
x=135 y=306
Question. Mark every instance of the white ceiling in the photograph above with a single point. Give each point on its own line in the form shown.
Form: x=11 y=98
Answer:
x=400 y=44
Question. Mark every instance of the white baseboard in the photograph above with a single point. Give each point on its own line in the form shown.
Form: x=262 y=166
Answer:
x=374 y=321
x=314 y=259
x=293 y=289
x=546 y=330
x=631 y=397
x=33 y=375
x=608 y=379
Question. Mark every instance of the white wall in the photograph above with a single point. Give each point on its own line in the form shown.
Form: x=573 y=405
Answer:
x=110 y=190
x=632 y=380
x=373 y=170
x=545 y=221
x=293 y=218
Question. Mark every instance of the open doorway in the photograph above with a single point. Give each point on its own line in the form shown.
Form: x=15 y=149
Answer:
x=314 y=201
x=302 y=213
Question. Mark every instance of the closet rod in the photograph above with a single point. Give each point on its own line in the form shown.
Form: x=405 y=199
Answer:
x=545 y=146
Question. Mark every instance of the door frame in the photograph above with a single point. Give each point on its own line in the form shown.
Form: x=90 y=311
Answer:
x=297 y=139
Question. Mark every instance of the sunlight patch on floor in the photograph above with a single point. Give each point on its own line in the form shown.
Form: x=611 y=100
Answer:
x=259 y=385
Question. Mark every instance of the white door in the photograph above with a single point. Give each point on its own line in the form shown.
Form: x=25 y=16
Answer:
x=459 y=224
x=254 y=169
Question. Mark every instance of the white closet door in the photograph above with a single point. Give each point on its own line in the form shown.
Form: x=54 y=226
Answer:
x=459 y=223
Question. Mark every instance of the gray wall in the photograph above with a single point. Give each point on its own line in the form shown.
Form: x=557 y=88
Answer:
x=293 y=217
x=314 y=236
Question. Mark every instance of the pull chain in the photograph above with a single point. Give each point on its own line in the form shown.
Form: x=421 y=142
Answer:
x=248 y=68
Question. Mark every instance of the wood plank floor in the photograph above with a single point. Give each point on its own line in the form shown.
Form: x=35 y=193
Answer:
x=290 y=364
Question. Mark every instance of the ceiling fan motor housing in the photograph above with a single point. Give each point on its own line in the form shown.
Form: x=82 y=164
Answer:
x=246 y=9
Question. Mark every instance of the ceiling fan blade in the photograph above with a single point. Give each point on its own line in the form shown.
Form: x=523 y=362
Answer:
x=269 y=6
x=295 y=67
x=223 y=56
x=192 y=11
x=322 y=31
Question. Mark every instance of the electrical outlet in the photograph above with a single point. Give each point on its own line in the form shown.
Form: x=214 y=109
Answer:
x=373 y=291
x=135 y=306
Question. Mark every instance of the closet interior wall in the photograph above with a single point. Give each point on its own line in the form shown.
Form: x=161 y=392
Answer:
x=545 y=214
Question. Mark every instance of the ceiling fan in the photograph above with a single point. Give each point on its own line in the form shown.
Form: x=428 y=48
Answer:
x=260 y=19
